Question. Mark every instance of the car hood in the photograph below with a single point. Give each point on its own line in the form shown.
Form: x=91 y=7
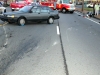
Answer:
x=13 y=13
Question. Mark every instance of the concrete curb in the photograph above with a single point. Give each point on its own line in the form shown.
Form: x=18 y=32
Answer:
x=96 y=17
x=84 y=11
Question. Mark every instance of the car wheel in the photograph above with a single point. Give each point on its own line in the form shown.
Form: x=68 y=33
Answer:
x=71 y=12
x=5 y=11
x=21 y=21
x=12 y=9
x=63 y=10
x=50 y=20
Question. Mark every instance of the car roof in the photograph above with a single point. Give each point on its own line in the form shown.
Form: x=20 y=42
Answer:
x=38 y=5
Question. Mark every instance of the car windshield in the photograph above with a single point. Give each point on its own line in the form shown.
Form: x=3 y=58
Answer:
x=25 y=9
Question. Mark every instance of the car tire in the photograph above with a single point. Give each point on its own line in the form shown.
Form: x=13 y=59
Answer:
x=71 y=12
x=4 y=10
x=12 y=9
x=50 y=20
x=63 y=10
x=21 y=21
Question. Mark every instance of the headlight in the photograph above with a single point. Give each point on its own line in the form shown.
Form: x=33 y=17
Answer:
x=12 y=16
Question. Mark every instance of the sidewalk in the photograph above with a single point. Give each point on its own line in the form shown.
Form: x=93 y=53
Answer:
x=84 y=11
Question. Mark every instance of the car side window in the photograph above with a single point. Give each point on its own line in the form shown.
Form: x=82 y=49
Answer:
x=35 y=10
x=44 y=10
x=51 y=10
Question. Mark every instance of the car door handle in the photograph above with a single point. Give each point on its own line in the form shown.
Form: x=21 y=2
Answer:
x=38 y=13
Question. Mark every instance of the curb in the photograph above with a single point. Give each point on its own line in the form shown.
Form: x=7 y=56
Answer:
x=96 y=17
x=79 y=10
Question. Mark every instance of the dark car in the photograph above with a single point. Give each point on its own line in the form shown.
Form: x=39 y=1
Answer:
x=31 y=13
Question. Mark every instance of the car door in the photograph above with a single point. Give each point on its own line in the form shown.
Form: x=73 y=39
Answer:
x=45 y=13
x=35 y=13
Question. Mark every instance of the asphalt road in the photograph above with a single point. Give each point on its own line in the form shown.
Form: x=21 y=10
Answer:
x=32 y=49
x=81 y=40
x=37 y=49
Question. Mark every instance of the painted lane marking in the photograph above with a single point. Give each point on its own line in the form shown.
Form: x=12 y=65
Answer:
x=46 y=50
x=0 y=24
x=6 y=36
x=58 y=32
x=93 y=21
x=88 y=18
x=54 y=43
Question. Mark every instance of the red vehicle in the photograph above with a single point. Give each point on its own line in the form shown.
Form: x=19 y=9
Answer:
x=19 y=4
x=50 y=4
x=66 y=7
x=63 y=7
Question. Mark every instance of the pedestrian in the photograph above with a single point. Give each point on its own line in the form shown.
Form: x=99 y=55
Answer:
x=54 y=5
x=37 y=2
x=1 y=4
x=96 y=7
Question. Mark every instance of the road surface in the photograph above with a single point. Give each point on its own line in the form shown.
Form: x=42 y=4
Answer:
x=38 y=49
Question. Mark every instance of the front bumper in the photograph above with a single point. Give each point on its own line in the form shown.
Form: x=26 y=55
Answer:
x=56 y=17
x=71 y=9
x=15 y=8
x=8 y=19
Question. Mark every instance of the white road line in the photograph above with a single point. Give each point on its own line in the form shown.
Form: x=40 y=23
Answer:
x=93 y=21
x=88 y=18
x=58 y=32
x=54 y=43
x=5 y=36
x=46 y=50
x=0 y=25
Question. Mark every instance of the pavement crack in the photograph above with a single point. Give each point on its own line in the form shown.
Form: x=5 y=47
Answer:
x=63 y=52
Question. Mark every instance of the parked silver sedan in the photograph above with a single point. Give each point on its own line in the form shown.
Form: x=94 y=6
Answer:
x=31 y=13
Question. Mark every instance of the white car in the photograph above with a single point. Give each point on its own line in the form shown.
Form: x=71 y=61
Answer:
x=89 y=5
x=2 y=9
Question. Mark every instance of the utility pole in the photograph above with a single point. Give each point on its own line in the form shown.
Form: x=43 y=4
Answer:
x=82 y=5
